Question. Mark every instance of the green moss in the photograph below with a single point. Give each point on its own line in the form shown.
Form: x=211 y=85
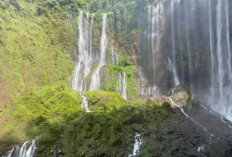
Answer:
x=55 y=114
x=103 y=101
x=56 y=102
x=96 y=134
x=88 y=78
x=36 y=49
x=45 y=108
x=112 y=86
x=113 y=72
x=124 y=61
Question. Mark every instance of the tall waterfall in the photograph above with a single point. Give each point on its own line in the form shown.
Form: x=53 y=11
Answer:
x=223 y=58
x=122 y=85
x=95 y=80
x=211 y=48
x=114 y=54
x=176 y=81
x=195 y=37
x=24 y=151
x=173 y=63
x=84 y=58
x=155 y=23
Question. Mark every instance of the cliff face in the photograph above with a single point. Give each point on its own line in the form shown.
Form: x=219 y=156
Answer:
x=189 y=42
x=137 y=49
x=35 y=45
x=175 y=42
x=38 y=40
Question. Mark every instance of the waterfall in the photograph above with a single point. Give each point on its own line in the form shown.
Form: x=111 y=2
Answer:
x=173 y=70
x=138 y=142
x=228 y=39
x=114 y=56
x=122 y=85
x=173 y=39
x=95 y=79
x=83 y=61
x=223 y=53
x=219 y=49
x=188 y=44
x=85 y=103
x=211 y=49
x=24 y=151
x=194 y=38
x=156 y=13
x=84 y=58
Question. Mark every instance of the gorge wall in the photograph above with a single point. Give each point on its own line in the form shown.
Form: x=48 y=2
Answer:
x=189 y=42
x=115 y=55
x=159 y=44
x=169 y=43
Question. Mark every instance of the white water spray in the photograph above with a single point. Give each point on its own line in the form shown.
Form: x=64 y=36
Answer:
x=85 y=103
x=156 y=22
x=24 y=151
x=228 y=39
x=173 y=39
x=95 y=79
x=138 y=143
x=211 y=48
x=122 y=85
x=114 y=56
x=173 y=70
x=219 y=48
x=84 y=57
x=188 y=44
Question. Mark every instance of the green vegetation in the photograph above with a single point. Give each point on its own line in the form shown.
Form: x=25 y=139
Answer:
x=113 y=71
x=37 y=39
x=103 y=101
x=35 y=45
x=55 y=114
x=97 y=134
x=45 y=108
x=108 y=130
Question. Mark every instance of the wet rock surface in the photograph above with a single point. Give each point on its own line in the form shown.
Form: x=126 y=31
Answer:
x=178 y=136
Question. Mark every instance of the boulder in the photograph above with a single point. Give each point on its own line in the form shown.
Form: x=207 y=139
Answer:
x=180 y=98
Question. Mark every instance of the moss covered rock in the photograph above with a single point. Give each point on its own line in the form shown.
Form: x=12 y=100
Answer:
x=39 y=111
x=103 y=101
x=97 y=134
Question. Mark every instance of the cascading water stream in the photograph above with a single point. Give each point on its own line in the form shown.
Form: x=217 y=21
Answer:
x=211 y=49
x=173 y=37
x=173 y=70
x=138 y=142
x=114 y=56
x=188 y=44
x=122 y=85
x=156 y=13
x=219 y=49
x=199 y=32
x=95 y=79
x=228 y=40
x=220 y=99
x=24 y=150
x=85 y=103
x=187 y=116
x=84 y=58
